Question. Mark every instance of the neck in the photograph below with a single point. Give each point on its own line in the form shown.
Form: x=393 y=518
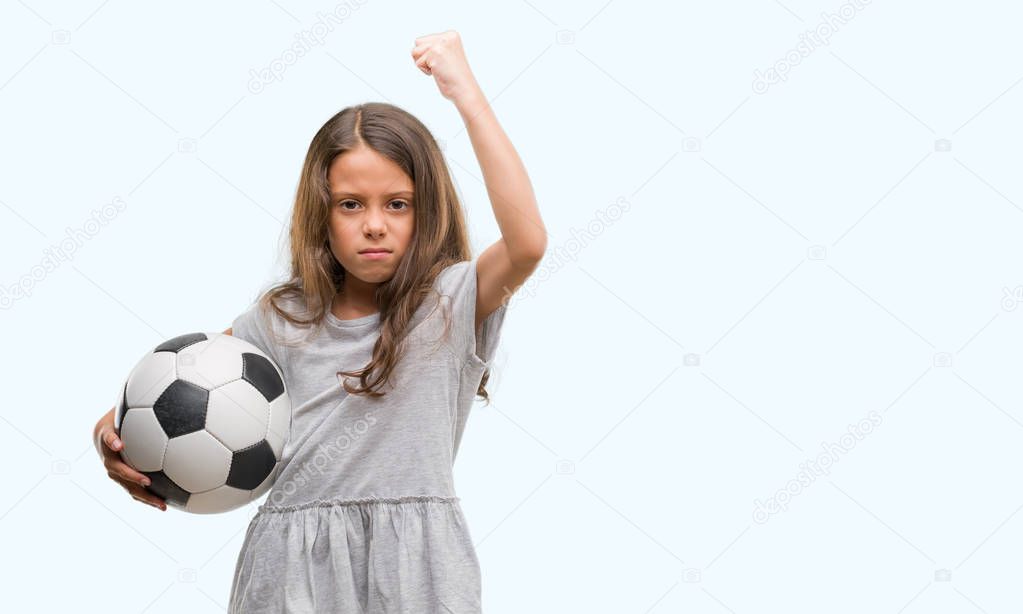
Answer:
x=355 y=299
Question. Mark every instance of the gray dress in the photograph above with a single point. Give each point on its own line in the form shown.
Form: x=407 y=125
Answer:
x=363 y=516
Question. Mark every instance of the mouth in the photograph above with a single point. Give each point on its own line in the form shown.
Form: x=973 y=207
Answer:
x=375 y=254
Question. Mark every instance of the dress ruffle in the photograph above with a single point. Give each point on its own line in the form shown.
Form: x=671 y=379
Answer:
x=376 y=555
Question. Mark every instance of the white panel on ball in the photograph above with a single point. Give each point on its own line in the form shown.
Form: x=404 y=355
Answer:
x=197 y=461
x=217 y=500
x=144 y=439
x=150 y=378
x=237 y=415
x=280 y=424
x=242 y=345
x=210 y=363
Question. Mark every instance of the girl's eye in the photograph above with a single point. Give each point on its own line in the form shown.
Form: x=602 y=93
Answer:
x=346 y=202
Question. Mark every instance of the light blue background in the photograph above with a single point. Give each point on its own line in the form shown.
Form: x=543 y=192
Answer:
x=842 y=246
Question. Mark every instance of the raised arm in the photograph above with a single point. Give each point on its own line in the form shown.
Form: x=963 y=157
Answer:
x=504 y=266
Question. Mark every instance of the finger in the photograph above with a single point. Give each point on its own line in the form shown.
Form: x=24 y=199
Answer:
x=111 y=440
x=141 y=494
x=121 y=469
x=145 y=495
x=419 y=50
x=426 y=38
x=113 y=462
x=150 y=500
x=423 y=64
x=124 y=482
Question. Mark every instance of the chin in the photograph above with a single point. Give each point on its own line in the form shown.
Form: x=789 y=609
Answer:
x=370 y=275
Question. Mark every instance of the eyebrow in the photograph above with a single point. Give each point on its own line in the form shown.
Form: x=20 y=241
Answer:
x=356 y=194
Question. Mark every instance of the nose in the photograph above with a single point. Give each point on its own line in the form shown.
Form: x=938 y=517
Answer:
x=374 y=224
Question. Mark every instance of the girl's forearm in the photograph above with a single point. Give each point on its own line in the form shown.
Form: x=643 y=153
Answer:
x=508 y=186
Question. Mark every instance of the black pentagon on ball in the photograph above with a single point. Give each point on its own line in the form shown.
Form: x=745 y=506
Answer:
x=260 y=372
x=122 y=409
x=251 y=465
x=166 y=488
x=181 y=409
x=180 y=342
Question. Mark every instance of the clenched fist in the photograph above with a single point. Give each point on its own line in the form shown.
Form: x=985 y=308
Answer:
x=442 y=57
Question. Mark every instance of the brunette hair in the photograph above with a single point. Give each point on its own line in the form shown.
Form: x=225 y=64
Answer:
x=439 y=240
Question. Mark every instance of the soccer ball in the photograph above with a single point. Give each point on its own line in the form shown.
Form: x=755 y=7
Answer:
x=205 y=416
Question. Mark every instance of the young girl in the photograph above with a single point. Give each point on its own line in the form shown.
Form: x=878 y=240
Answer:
x=385 y=332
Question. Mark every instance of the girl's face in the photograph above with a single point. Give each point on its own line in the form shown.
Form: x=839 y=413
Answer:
x=371 y=208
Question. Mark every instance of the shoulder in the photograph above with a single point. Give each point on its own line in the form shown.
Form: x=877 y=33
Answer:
x=260 y=311
x=263 y=324
x=273 y=306
x=455 y=268
x=455 y=276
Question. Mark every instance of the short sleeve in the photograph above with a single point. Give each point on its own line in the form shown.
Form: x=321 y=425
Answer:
x=254 y=326
x=458 y=283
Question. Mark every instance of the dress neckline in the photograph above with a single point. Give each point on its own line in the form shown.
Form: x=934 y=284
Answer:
x=373 y=318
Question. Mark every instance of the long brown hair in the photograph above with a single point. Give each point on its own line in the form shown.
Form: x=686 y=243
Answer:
x=440 y=238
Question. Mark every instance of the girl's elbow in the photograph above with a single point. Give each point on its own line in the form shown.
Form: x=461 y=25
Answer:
x=531 y=255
